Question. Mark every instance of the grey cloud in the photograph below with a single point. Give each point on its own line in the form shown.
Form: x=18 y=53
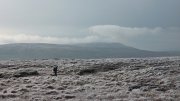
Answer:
x=130 y=13
x=145 y=24
x=143 y=38
x=139 y=37
x=26 y=38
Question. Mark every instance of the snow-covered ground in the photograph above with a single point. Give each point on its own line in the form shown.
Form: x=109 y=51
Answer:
x=114 y=79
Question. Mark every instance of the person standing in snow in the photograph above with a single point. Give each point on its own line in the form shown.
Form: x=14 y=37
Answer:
x=55 y=70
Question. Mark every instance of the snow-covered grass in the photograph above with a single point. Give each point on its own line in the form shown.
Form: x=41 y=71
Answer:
x=114 y=79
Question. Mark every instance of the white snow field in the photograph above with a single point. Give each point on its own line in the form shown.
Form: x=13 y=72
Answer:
x=113 y=79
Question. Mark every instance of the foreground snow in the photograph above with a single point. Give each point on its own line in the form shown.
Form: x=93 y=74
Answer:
x=123 y=79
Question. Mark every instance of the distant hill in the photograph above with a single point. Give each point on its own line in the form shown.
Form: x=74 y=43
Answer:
x=90 y=50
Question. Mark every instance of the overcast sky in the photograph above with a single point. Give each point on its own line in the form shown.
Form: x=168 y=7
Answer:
x=144 y=24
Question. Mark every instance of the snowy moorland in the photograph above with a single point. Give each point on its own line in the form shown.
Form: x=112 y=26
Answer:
x=114 y=79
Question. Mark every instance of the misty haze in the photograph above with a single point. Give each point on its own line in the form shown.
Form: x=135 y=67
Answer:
x=89 y=50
